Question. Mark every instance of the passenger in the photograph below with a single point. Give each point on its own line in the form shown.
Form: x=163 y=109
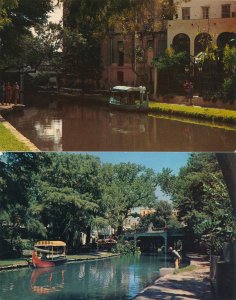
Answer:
x=16 y=93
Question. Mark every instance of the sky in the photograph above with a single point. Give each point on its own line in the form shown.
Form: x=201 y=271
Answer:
x=56 y=15
x=155 y=160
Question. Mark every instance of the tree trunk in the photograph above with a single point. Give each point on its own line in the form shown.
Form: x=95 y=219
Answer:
x=88 y=235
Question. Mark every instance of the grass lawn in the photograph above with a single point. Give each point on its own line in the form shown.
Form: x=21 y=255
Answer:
x=22 y=261
x=16 y=261
x=185 y=269
x=8 y=142
x=213 y=114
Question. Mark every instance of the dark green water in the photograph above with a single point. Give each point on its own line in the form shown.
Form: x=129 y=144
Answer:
x=114 y=278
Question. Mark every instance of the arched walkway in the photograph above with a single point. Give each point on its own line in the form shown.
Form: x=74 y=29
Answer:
x=226 y=38
x=181 y=43
x=201 y=42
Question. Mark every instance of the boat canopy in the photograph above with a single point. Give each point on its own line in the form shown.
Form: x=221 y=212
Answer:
x=121 y=88
x=50 y=243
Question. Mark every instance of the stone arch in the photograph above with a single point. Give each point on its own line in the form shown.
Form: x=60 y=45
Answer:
x=201 y=42
x=226 y=38
x=181 y=43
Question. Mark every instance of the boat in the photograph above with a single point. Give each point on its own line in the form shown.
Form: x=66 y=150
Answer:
x=129 y=98
x=48 y=254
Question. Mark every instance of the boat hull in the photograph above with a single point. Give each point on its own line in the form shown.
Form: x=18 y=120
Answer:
x=43 y=263
x=128 y=107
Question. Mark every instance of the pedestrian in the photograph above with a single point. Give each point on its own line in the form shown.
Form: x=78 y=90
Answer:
x=176 y=256
x=2 y=93
x=186 y=87
x=190 y=96
x=8 y=91
x=16 y=93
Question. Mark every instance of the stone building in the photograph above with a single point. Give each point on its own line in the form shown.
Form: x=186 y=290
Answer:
x=196 y=23
x=200 y=21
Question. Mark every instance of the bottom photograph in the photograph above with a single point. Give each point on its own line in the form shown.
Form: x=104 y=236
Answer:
x=117 y=225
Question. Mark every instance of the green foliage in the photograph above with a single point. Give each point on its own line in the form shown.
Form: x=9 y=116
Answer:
x=130 y=186
x=5 y=6
x=201 y=198
x=60 y=196
x=162 y=218
x=170 y=60
x=229 y=60
x=171 y=70
x=18 y=46
x=126 y=247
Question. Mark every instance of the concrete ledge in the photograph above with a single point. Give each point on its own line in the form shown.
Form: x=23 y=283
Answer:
x=18 y=135
x=166 y=271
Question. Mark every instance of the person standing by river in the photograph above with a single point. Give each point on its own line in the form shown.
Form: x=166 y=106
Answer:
x=16 y=93
x=176 y=256
x=2 y=93
x=8 y=91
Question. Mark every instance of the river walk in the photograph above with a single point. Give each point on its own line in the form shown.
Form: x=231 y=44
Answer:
x=192 y=285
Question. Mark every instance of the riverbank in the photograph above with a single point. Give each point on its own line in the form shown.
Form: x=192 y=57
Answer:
x=187 y=283
x=11 y=264
x=212 y=114
x=10 y=138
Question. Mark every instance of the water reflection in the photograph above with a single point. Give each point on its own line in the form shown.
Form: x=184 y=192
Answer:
x=76 y=127
x=116 y=278
x=47 y=280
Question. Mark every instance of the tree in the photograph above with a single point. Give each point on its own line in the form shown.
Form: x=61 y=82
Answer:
x=201 y=198
x=5 y=6
x=19 y=210
x=171 y=69
x=162 y=217
x=17 y=41
x=84 y=28
x=126 y=186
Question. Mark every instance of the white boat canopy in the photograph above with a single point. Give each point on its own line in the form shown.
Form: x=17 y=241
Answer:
x=121 y=88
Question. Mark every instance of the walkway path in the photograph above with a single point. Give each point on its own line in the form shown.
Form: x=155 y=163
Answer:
x=184 y=285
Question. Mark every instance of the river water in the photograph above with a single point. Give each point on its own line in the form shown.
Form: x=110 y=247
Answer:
x=114 y=278
x=72 y=126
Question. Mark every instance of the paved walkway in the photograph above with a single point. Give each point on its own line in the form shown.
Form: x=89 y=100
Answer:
x=187 y=285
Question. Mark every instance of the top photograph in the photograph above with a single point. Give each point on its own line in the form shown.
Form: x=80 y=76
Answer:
x=118 y=75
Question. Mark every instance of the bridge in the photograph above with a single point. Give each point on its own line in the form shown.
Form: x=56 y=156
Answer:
x=157 y=237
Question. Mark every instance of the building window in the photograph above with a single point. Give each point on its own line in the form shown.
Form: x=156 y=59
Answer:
x=120 y=48
x=205 y=12
x=185 y=13
x=225 y=9
x=120 y=76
